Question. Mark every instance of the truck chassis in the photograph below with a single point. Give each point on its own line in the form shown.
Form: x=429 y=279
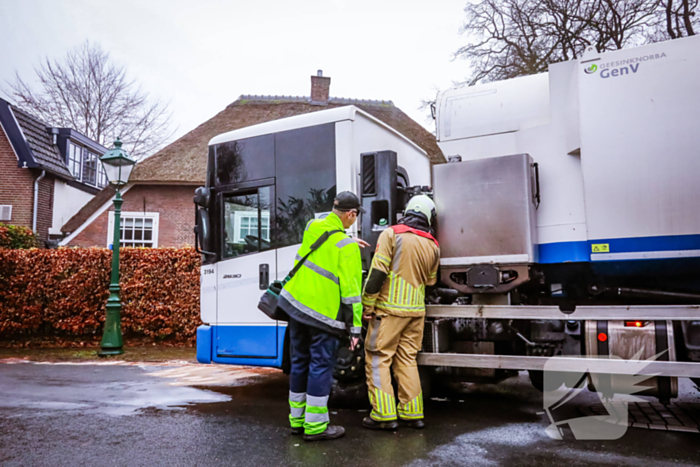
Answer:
x=563 y=363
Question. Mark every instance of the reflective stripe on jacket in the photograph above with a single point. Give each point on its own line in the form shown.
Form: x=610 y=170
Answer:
x=410 y=262
x=325 y=292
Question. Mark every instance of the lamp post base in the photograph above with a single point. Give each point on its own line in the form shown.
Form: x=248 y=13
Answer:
x=109 y=352
x=112 y=343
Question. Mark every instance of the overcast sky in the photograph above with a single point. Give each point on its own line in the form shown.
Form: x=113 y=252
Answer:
x=200 y=55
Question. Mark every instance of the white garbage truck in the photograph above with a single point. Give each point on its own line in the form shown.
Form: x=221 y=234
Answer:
x=568 y=220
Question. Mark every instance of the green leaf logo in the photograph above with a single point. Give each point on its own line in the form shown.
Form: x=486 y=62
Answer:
x=591 y=69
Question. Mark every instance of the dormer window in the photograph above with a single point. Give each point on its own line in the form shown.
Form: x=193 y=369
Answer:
x=75 y=160
x=89 y=168
x=85 y=166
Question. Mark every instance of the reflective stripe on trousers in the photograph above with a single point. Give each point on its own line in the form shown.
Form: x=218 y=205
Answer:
x=316 y=419
x=384 y=405
x=297 y=407
x=413 y=410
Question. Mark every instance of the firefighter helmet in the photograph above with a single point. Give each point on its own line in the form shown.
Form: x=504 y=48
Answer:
x=422 y=204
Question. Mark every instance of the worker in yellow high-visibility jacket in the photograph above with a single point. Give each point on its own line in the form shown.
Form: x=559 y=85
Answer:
x=323 y=302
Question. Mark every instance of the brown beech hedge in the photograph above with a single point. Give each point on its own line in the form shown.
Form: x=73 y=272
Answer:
x=64 y=292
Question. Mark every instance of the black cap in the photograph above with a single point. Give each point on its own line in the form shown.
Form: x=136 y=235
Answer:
x=346 y=200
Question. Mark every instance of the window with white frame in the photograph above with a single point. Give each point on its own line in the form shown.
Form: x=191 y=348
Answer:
x=101 y=177
x=138 y=229
x=85 y=166
x=75 y=160
x=5 y=212
x=89 y=168
x=247 y=224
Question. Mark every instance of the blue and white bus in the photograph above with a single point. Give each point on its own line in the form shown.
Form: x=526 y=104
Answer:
x=264 y=183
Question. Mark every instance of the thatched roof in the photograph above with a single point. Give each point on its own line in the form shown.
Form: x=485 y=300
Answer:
x=184 y=161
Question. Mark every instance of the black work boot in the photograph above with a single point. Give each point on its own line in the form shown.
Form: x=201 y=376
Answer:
x=369 y=422
x=417 y=424
x=297 y=430
x=332 y=432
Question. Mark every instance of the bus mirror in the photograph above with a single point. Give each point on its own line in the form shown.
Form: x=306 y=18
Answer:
x=202 y=232
x=201 y=197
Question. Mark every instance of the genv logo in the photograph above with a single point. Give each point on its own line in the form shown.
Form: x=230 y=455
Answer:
x=591 y=69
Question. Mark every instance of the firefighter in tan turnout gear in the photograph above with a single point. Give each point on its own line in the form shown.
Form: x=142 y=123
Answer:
x=406 y=260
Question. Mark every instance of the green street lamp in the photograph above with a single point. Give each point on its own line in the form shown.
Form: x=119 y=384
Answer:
x=118 y=167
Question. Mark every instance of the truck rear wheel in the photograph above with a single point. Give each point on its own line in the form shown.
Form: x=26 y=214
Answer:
x=349 y=395
x=537 y=379
x=696 y=381
x=554 y=379
x=426 y=375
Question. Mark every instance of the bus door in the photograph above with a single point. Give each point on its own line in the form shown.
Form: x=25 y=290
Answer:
x=248 y=264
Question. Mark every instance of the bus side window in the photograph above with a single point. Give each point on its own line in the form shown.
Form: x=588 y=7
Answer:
x=305 y=179
x=246 y=223
x=244 y=160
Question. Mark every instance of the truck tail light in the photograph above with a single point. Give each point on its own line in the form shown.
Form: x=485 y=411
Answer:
x=636 y=324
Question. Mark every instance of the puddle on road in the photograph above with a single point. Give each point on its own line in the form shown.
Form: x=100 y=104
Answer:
x=114 y=388
x=476 y=446
x=210 y=375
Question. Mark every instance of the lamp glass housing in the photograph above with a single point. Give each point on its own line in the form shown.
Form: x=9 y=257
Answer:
x=117 y=164
x=118 y=174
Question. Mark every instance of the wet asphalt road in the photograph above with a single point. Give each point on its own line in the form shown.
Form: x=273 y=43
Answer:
x=124 y=415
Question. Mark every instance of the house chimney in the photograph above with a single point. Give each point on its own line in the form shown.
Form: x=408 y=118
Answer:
x=54 y=132
x=320 y=87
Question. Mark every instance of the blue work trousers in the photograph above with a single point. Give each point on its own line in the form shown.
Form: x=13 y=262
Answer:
x=313 y=358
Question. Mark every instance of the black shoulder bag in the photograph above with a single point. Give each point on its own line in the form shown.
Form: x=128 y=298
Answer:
x=268 y=302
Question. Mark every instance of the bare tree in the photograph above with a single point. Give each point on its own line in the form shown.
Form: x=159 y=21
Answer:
x=679 y=17
x=509 y=38
x=88 y=92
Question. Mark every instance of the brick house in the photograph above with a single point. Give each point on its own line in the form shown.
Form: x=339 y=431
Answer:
x=158 y=208
x=46 y=174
